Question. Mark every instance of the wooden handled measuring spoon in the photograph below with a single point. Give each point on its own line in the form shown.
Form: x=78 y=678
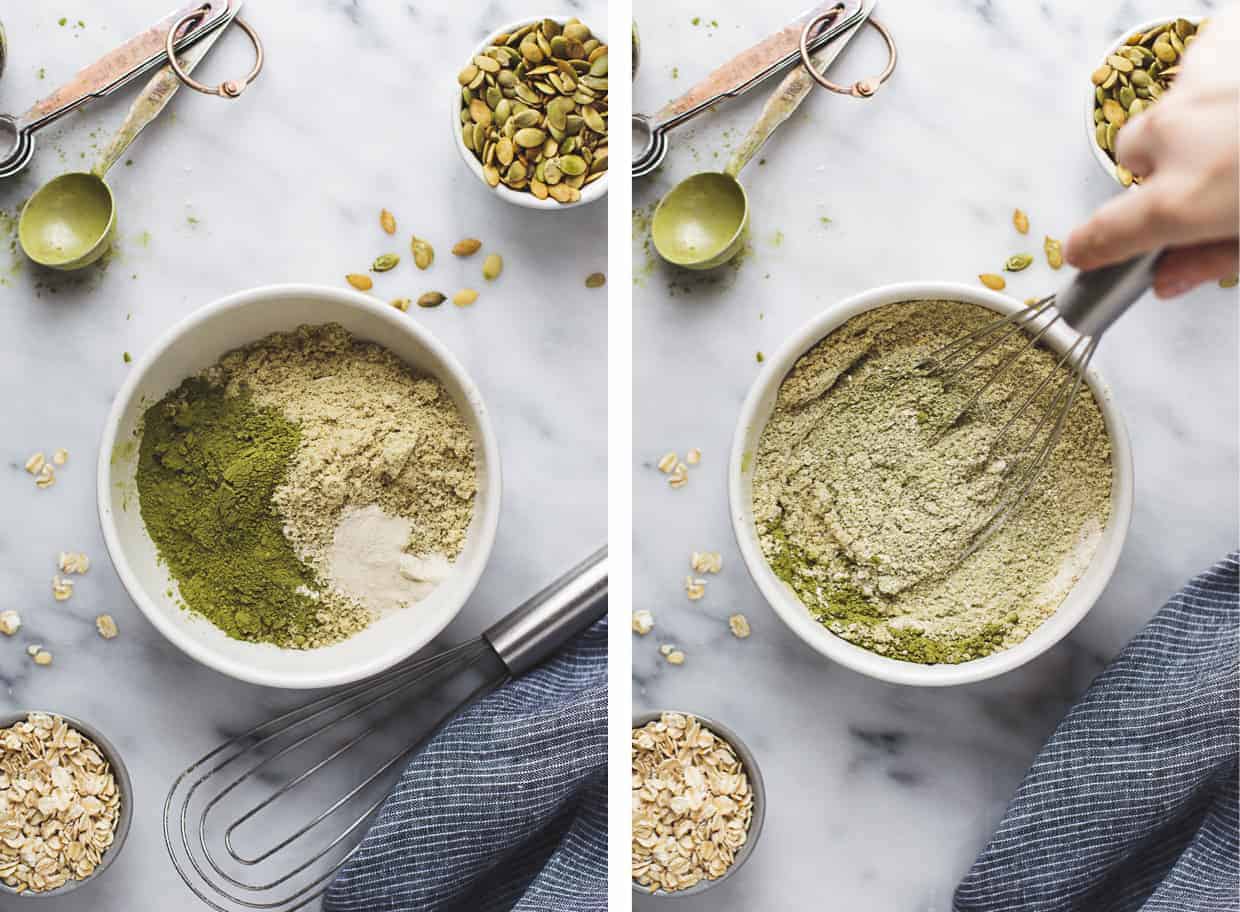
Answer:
x=701 y=222
x=69 y=222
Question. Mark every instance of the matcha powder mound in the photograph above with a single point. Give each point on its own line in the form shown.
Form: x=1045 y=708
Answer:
x=208 y=466
x=866 y=494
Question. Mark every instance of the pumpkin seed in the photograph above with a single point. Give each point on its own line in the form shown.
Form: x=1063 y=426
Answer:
x=387 y=221
x=992 y=281
x=466 y=247
x=1021 y=221
x=1229 y=282
x=1018 y=261
x=384 y=262
x=1054 y=252
x=431 y=299
x=401 y=304
x=1135 y=76
x=492 y=266
x=596 y=280
x=359 y=281
x=423 y=253
x=465 y=297
x=535 y=96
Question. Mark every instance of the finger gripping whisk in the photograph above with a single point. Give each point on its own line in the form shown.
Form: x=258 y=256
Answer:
x=1088 y=306
x=265 y=820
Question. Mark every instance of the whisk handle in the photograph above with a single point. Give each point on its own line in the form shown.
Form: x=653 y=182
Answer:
x=548 y=620
x=1096 y=299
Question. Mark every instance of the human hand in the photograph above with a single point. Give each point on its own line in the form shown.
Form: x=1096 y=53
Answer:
x=1186 y=148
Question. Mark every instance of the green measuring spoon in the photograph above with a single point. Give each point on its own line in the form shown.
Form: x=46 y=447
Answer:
x=70 y=221
x=701 y=222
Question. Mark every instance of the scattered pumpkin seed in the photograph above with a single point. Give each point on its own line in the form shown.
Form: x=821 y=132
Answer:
x=992 y=281
x=464 y=297
x=1123 y=175
x=431 y=299
x=1054 y=252
x=384 y=262
x=423 y=253
x=359 y=281
x=492 y=266
x=596 y=280
x=1021 y=221
x=387 y=221
x=1018 y=261
x=401 y=304
x=467 y=247
x=1230 y=282
x=534 y=109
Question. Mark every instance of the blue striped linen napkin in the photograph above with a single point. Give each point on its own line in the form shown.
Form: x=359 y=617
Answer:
x=1133 y=802
x=505 y=808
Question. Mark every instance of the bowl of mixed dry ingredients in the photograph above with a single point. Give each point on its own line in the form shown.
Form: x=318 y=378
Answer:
x=65 y=804
x=855 y=499
x=698 y=803
x=299 y=486
x=530 y=113
x=1129 y=78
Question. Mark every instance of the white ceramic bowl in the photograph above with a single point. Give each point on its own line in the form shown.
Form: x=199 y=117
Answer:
x=1104 y=160
x=756 y=411
x=198 y=342
x=589 y=193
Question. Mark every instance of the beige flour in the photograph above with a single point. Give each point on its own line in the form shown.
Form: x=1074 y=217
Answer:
x=373 y=433
x=865 y=497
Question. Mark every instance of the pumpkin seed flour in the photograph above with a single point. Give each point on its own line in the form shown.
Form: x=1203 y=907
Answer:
x=304 y=485
x=865 y=494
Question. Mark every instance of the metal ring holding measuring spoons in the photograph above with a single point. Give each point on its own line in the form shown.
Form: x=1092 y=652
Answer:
x=862 y=88
x=231 y=88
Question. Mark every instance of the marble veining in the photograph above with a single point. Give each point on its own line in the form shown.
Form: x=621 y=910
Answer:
x=350 y=115
x=879 y=797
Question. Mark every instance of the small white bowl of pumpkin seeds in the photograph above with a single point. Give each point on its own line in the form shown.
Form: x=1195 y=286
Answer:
x=1128 y=78
x=529 y=114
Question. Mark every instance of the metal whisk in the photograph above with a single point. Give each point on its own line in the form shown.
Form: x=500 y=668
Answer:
x=1089 y=305
x=255 y=824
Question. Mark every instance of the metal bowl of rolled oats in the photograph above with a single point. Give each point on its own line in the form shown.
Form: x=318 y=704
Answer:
x=65 y=805
x=698 y=803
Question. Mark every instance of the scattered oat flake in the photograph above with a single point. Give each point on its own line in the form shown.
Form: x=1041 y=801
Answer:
x=10 y=622
x=679 y=476
x=73 y=562
x=46 y=478
x=643 y=622
x=62 y=588
x=692 y=804
x=34 y=465
x=61 y=456
x=706 y=561
x=694 y=456
x=666 y=649
x=667 y=463
x=675 y=657
x=739 y=625
x=694 y=588
x=33 y=649
x=106 y=626
x=43 y=657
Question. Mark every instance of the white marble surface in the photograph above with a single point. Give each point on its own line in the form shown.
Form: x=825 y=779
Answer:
x=285 y=185
x=880 y=796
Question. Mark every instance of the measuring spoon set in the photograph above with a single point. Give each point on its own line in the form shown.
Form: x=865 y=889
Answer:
x=701 y=222
x=68 y=223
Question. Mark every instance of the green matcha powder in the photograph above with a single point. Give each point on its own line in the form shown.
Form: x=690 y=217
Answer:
x=208 y=466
